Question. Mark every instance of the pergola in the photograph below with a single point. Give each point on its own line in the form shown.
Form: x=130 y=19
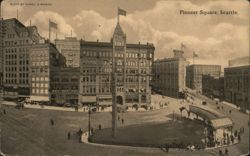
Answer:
x=214 y=120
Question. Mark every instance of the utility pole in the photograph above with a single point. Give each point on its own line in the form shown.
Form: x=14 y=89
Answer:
x=89 y=121
x=1 y=57
x=114 y=101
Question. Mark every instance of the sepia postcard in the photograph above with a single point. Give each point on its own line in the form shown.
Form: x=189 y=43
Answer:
x=124 y=78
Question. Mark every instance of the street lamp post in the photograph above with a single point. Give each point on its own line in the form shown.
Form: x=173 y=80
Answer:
x=89 y=121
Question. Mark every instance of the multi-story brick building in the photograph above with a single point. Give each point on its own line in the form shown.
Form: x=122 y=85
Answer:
x=44 y=60
x=2 y=32
x=64 y=86
x=213 y=86
x=133 y=71
x=194 y=74
x=237 y=85
x=18 y=39
x=70 y=49
x=169 y=74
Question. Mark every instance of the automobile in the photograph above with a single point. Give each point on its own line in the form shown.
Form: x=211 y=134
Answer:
x=204 y=102
x=93 y=109
x=67 y=105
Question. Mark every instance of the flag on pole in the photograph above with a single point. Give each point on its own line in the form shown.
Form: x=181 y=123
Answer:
x=195 y=55
x=121 y=12
x=183 y=46
x=52 y=25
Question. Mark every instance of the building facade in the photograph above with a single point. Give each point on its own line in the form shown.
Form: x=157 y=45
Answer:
x=2 y=32
x=195 y=72
x=237 y=86
x=213 y=87
x=45 y=60
x=64 y=86
x=17 y=40
x=169 y=75
x=242 y=61
x=133 y=67
x=70 y=49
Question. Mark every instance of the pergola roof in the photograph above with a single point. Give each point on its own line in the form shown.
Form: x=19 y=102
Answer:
x=221 y=123
x=205 y=112
x=217 y=120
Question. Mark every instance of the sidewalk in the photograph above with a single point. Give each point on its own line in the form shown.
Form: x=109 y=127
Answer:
x=234 y=106
x=155 y=103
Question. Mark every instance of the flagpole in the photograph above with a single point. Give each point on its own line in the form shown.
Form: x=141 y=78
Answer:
x=118 y=18
x=49 y=30
x=193 y=57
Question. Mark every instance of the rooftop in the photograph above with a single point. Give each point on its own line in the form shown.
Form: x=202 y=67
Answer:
x=109 y=44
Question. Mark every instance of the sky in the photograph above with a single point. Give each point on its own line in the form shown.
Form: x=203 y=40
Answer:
x=215 y=38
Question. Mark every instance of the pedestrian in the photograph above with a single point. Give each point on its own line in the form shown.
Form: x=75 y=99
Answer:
x=239 y=137
x=69 y=135
x=232 y=139
x=235 y=133
x=51 y=122
x=4 y=111
x=80 y=139
x=100 y=126
x=220 y=153
x=80 y=132
x=118 y=118
x=92 y=131
x=122 y=121
x=230 y=111
x=167 y=148
x=226 y=152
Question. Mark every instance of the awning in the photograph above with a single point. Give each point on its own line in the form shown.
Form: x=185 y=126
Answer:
x=88 y=99
x=221 y=123
x=39 y=98
x=105 y=103
x=104 y=96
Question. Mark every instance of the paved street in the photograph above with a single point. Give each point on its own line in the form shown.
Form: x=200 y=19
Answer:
x=28 y=131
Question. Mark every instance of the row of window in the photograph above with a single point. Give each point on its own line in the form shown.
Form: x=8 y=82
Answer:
x=39 y=55
x=58 y=80
x=12 y=50
x=12 y=56
x=14 y=81
x=92 y=90
x=12 y=62
x=118 y=55
x=64 y=87
x=40 y=63
x=43 y=85
x=39 y=70
x=40 y=78
x=21 y=42
x=39 y=91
